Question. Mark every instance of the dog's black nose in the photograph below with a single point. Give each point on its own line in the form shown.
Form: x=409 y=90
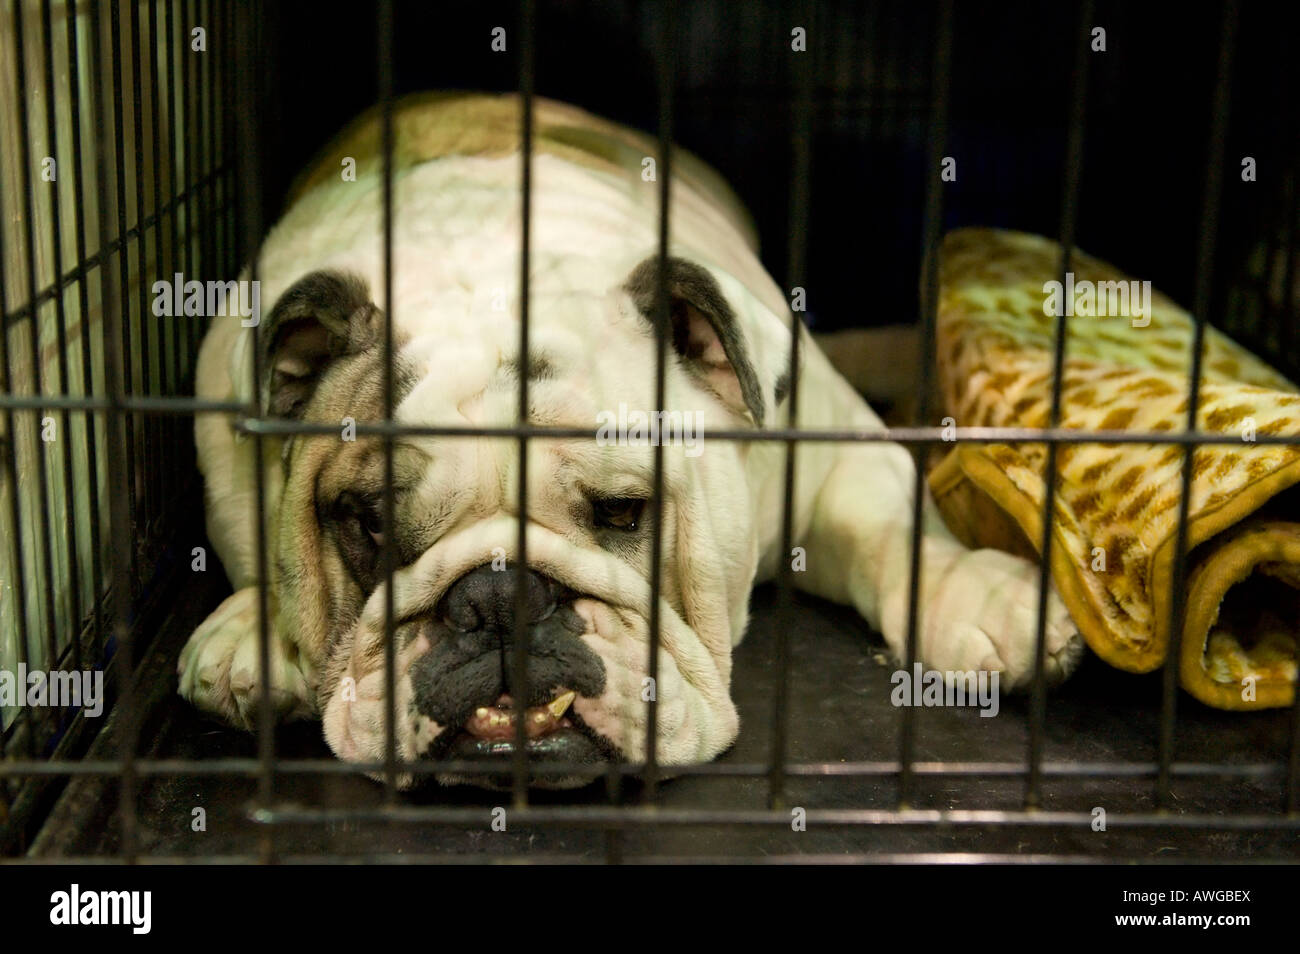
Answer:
x=484 y=598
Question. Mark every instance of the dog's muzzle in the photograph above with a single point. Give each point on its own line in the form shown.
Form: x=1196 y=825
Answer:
x=467 y=682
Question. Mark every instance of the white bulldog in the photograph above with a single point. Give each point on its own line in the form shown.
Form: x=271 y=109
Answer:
x=591 y=361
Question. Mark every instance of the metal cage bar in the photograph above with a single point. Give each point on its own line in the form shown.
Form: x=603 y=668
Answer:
x=385 y=84
x=247 y=50
x=666 y=75
x=149 y=426
x=45 y=548
x=1200 y=311
x=801 y=140
x=123 y=348
x=83 y=310
x=11 y=473
x=519 y=650
x=932 y=218
x=167 y=331
x=120 y=512
x=157 y=329
x=61 y=319
x=1069 y=213
x=251 y=767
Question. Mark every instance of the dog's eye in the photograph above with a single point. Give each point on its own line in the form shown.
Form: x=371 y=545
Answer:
x=364 y=513
x=617 y=513
x=373 y=523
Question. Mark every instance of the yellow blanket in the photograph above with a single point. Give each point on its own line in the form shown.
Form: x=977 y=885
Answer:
x=1115 y=523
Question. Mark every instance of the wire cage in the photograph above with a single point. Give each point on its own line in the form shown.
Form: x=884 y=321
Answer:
x=153 y=137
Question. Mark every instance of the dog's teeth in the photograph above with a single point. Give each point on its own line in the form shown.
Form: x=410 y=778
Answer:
x=481 y=712
x=560 y=705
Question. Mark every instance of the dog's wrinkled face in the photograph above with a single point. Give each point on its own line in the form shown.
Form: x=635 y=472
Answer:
x=454 y=530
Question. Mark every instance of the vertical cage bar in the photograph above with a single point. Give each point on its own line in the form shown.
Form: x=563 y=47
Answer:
x=385 y=83
x=614 y=792
x=614 y=838
x=174 y=425
x=222 y=91
x=15 y=504
x=229 y=144
x=209 y=144
x=1201 y=308
x=666 y=65
x=1280 y=314
x=65 y=383
x=800 y=187
x=184 y=195
x=519 y=653
x=151 y=427
x=34 y=339
x=208 y=156
x=248 y=50
x=1291 y=314
x=1284 y=317
x=195 y=219
x=172 y=328
x=1291 y=798
x=89 y=421
x=1069 y=213
x=875 y=54
x=133 y=444
x=119 y=450
x=933 y=227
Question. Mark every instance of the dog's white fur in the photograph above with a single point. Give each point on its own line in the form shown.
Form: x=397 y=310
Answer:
x=455 y=261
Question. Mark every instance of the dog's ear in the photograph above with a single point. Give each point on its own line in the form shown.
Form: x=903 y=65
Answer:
x=703 y=330
x=321 y=317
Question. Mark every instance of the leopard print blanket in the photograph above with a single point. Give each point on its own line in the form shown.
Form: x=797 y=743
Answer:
x=1116 y=509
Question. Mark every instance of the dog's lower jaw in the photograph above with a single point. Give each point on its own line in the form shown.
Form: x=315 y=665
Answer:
x=570 y=758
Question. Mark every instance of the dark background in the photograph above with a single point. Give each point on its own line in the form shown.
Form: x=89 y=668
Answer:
x=1149 y=106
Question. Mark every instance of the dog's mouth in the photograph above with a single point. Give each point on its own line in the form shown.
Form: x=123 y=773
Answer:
x=463 y=684
x=554 y=734
x=497 y=722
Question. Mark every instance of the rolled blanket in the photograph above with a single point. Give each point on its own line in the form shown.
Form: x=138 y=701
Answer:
x=1116 y=515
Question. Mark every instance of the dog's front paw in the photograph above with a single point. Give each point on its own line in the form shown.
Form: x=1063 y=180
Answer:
x=984 y=616
x=220 y=673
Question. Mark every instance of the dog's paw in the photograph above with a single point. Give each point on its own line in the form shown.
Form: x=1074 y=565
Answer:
x=219 y=667
x=984 y=616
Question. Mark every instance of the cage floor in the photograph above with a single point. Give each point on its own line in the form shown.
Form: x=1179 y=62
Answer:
x=840 y=711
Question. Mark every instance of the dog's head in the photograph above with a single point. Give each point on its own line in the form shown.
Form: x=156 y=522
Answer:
x=453 y=533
